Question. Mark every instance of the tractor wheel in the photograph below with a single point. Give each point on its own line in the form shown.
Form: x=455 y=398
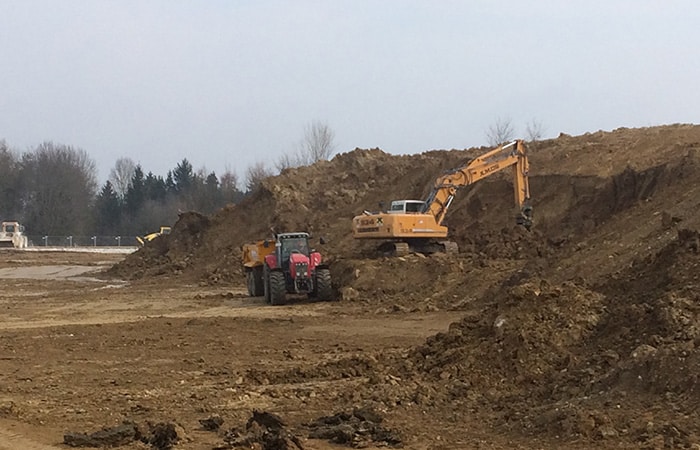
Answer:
x=257 y=282
x=278 y=288
x=266 y=284
x=324 y=290
x=249 y=283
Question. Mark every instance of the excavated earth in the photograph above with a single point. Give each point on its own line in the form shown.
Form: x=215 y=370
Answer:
x=580 y=333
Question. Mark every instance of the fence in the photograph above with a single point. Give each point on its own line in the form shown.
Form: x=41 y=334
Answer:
x=82 y=241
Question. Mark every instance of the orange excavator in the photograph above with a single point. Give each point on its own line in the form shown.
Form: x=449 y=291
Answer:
x=417 y=225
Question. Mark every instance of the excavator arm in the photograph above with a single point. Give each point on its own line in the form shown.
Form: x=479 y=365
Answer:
x=505 y=156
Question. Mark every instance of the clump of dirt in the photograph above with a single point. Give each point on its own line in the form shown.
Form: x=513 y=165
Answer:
x=212 y=423
x=122 y=434
x=264 y=430
x=159 y=436
x=358 y=429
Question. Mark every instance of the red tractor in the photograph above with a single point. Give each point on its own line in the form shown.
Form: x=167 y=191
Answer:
x=295 y=269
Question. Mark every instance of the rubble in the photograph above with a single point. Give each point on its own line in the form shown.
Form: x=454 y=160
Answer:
x=358 y=429
x=159 y=436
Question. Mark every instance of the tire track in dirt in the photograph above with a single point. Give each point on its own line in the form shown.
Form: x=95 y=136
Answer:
x=10 y=440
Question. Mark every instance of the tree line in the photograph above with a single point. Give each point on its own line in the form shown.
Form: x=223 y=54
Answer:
x=52 y=189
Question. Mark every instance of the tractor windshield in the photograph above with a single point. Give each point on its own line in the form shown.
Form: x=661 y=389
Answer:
x=292 y=245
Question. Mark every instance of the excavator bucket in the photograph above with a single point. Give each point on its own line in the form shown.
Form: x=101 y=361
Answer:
x=525 y=218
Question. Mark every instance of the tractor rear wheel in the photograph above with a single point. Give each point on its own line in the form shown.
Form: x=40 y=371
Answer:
x=278 y=288
x=249 y=282
x=324 y=290
x=257 y=282
x=266 y=283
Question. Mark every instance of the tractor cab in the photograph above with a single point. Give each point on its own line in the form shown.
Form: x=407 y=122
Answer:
x=289 y=243
x=12 y=227
x=406 y=207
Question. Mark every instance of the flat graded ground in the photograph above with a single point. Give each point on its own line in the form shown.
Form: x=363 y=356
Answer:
x=79 y=353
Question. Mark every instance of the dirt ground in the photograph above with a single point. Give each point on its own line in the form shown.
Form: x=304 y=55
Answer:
x=581 y=333
x=80 y=353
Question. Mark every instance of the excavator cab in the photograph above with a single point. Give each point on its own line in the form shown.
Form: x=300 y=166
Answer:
x=406 y=206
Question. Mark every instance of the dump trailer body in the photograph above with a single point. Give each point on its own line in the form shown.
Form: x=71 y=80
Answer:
x=253 y=260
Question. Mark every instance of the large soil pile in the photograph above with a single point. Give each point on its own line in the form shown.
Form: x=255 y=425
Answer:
x=570 y=329
x=617 y=359
x=582 y=187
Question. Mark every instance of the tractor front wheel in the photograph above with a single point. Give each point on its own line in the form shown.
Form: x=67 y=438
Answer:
x=278 y=288
x=324 y=290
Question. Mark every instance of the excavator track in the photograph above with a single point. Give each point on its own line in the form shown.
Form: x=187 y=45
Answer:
x=401 y=249
x=425 y=247
x=450 y=247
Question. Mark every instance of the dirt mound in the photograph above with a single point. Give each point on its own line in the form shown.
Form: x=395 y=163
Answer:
x=570 y=329
x=578 y=361
x=653 y=320
x=522 y=334
x=578 y=184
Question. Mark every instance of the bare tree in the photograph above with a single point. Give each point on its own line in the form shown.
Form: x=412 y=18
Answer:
x=229 y=180
x=534 y=130
x=228 y=183
x=121 y=174
x=288 y=161
x=255 y=174
x=317 y=143
x=501 y=131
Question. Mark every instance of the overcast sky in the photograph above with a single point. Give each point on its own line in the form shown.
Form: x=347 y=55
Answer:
x=227 y=83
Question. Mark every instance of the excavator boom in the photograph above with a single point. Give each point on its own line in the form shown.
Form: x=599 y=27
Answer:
x=503 y=157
